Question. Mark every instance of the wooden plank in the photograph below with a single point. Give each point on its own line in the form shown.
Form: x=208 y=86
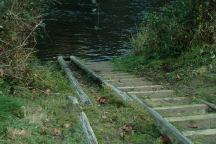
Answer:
x=170 y=101
x=206 y=136
x=204 y=121
x=153 y=94
x=88 y=129
x=73 y=81
x=182 y=110
x=124 y=95
x=175 y=135
x=90 y=135
x=141 y=88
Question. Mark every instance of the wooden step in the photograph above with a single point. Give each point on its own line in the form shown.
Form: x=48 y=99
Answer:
x=124 y=79
x=153 y=94
x=131 y=83
x=207 y=136
x=110 y=77
x=102 y=71
x=157 y=102
x=142 y=88
x=205 y=121
x=115 y=74
x=182 y=110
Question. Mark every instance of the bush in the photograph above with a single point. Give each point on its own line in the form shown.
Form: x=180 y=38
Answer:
x=177 y=28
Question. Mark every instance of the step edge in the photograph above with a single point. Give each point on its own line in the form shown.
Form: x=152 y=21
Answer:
x=194 y=117
x=181 y=106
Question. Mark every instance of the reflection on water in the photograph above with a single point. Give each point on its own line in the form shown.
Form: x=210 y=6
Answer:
x=76 y=28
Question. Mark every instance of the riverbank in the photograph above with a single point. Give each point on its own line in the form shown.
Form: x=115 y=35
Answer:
x=177 y=49
x=32 y=95
x=42 y=113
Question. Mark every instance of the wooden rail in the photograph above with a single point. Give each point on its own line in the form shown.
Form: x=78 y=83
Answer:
x=90 y=135
x=73 y=81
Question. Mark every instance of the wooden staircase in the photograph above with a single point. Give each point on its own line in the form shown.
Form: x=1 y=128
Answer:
x=179 y=117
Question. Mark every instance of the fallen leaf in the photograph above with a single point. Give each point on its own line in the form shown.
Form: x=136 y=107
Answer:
x=15 y=133
x=47 y=91
x=104 y=115
x=67 y=125
x=193 y=125
x=141 y=116
x=44 y=130
x=165 y=139
x=178 y=77
x=57 y=132
x=102 y=100
x=126 y=130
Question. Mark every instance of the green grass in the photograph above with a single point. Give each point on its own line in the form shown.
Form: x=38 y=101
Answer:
x=41 y=113
x=10 y=108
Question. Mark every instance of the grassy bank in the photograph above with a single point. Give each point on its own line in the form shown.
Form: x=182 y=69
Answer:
x=33 y=107
x=40 y=114
x=177 y=47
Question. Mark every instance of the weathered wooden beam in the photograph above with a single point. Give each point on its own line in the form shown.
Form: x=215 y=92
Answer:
x=124 y=95
x=167 y=128
x=73 y=81
x=88 y=129
x=90 y=135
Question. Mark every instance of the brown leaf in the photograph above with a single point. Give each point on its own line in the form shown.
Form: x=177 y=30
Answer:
x=102 y=100
x=57 y=132
x=47 y=91
x=17 y=133
x=142 y=117
x=67 y=125
x=44 y=130
x=165 y=139
x=193 y=125
x=104 y=115
x=126 y=130
x=178 y=77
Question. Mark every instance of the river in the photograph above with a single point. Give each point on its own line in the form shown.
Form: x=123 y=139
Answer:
x=102 y=32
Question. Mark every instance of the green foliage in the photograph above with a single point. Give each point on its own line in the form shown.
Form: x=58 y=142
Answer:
x=176 y=29
x=9 y=108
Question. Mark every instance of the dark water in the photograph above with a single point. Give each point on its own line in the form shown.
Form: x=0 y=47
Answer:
x=74 y=28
